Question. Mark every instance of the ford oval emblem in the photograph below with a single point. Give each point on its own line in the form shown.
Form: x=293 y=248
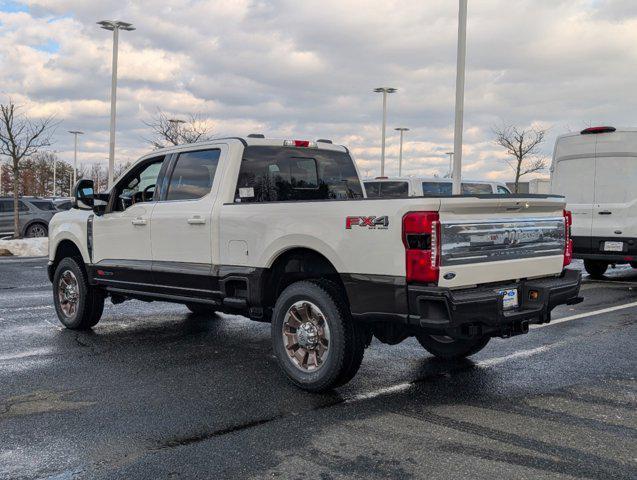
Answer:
x=449 y=276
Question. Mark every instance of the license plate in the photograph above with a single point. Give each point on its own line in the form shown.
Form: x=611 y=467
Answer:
x=509 y=298
x=613 y=246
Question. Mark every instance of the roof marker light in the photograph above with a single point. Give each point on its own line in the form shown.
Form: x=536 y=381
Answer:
x=593 y=130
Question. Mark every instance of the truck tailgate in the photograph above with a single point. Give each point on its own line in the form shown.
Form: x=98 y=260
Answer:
x=500 y=239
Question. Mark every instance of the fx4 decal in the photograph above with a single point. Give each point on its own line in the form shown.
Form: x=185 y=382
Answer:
x=370 y=222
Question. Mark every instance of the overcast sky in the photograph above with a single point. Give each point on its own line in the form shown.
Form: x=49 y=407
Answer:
x=306 y=69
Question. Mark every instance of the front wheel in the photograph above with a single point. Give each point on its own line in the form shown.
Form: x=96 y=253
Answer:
x=317 y=344
x=595 y=268
x=449 y=348
x=78 y=305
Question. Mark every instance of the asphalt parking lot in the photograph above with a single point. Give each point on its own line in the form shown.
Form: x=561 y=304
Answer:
x=155 y=392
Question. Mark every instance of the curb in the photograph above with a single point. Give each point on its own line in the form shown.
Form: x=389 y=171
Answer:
x=16 y=258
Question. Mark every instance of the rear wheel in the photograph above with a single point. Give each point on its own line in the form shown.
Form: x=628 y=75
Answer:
x=449 y=348
x=78 y=305
x=595 y=268
x=317 y=344
x=37 y=230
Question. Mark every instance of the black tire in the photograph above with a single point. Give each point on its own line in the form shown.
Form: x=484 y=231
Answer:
x=346 y=342
x=37 y=230
x=595 y=268
x=90 y=300
x=450 y=348
x=201 y=309
x=633 y=264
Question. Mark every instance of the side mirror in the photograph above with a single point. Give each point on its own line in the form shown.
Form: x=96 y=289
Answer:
x=83 y=195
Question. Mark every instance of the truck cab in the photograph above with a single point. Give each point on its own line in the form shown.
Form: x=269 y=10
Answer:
x=280 y=231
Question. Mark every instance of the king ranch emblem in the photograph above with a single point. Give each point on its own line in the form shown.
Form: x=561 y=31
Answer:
x=374 y=223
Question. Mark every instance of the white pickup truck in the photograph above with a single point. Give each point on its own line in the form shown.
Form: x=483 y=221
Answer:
x=280 y=231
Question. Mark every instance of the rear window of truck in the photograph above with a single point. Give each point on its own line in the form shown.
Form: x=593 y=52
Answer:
x=276 y=174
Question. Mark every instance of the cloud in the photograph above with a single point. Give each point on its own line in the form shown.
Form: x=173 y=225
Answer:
x=307 y=69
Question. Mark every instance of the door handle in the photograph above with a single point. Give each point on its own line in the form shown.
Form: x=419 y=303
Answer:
x=139 y=221
x=605 y=212
x=196 y=220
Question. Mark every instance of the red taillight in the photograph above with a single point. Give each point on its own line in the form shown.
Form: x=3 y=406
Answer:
x=421 y=237
x=568 y=249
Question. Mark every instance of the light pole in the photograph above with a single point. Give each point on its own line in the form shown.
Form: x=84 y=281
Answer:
x=402 y=130
x=460 y=67
x=175 y=124
x=115 y=26
x=75 y=133
x=384 y=91
x=450 y=163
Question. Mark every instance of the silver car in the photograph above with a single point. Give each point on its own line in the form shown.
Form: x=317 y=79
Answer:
x=35 y=215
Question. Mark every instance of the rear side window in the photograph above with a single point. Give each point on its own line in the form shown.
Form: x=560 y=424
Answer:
x=436 y=188
x=193 y=175
x=271 y=174
x=6 y=206
x=44 y=205
x=476 y=188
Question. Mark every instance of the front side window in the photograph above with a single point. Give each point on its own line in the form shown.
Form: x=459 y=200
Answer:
x=436 y=188
x=138 y=185
x=193 y=175
x=271 y=174
x=503 y=190
x=476 y=188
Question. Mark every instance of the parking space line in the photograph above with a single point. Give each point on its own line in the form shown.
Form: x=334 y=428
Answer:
x=587 y=314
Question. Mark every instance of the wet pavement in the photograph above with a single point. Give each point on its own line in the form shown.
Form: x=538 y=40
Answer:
x=155 y=392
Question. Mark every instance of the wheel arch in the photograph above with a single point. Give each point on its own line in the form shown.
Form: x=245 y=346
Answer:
x=295 y=264
x=33 y=222
x=63 y=249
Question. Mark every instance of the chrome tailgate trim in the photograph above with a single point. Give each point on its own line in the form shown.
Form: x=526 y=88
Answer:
x=501 y=239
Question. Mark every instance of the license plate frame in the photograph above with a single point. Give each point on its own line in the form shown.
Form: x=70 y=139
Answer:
x=613 y=246
x=510 y=298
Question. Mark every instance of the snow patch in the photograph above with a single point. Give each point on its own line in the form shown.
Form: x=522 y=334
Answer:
x=27 y=247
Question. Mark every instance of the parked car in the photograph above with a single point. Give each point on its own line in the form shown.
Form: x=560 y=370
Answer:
x=596 y=170
x=35 y=215
x=403 y=187
x=279 y=231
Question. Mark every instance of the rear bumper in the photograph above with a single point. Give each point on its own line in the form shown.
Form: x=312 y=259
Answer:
x=479 y=311
x=592 y=248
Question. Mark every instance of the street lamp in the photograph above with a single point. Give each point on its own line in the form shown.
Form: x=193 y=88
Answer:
x=450 y=163
x=460 y=68
x=115 y=26
x=75 y=133
x=174 y=122
x=384 y=91
x=402 y=130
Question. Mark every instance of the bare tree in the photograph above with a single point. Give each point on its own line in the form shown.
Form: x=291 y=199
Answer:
x=168 y=131
x=21 y=137
x=523 y=146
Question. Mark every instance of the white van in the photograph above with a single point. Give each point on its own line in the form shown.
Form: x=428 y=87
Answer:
x=596 y=169
x=402 y=187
